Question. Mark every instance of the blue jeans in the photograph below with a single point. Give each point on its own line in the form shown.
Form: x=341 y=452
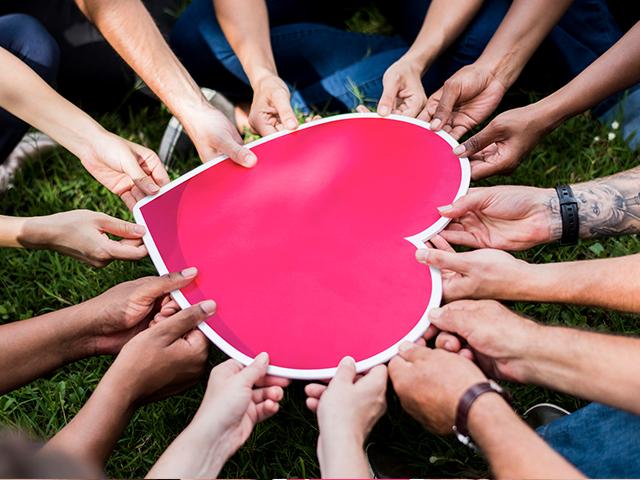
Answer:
x=326 y=67
x=27 y=39
x=600 y=441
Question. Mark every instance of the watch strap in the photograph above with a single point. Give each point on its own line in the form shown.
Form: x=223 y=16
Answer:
x=465 y=403
x=569 y=215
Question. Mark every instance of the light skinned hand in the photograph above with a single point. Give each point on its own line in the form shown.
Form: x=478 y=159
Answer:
x=478 y=274
x=126 y=309
x=350 y=405
x=403 y=93
x=500 y=146
x=465 y=100
x=430 y=384
x=213 y=135
x=271 y=109
x=236 y=400
x=488 y=333
x=84 y=235
x=502 y=217
x=127 y=169
x=165 y=359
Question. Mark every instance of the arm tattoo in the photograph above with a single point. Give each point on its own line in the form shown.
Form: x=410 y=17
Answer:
x=609 y=206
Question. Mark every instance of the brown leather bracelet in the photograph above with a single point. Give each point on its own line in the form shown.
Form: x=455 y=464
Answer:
x=464 y=405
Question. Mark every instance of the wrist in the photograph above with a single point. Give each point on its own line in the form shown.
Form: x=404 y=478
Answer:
x=341 y=456
x=548 y=228
x=259 y=74
x=32 y=232
x=420 y=59
x=486 y=413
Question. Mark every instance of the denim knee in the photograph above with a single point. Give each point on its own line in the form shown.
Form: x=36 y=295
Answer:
x=27 y=39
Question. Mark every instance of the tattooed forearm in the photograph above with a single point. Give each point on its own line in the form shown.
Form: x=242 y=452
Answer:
x=609 y=206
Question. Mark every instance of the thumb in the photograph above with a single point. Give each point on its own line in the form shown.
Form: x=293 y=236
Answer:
x=450 y=95
x=160 y=286
x=177 y=325
x=479 y=141
x=443 y=260
x=254 y=372
x=235 y=150
x=388 y=98
x=461 y=206
x=139 y=177
x=121 y=228
x=453 y=320
x=346 y=371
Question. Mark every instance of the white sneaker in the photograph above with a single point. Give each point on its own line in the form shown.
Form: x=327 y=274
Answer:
x=32 y=146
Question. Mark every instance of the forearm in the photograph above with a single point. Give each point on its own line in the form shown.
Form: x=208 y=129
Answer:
x=617 y=69
x=10 y=231
x=597 y=367
x=131 y=31
x=342 y=456
x=246 y=26
x=513 y=449
x=580 y=283
x=193 y=454
x=38 y=345
x=27 y=96
x=94 y=431
x=440 y=29
x=522 y=30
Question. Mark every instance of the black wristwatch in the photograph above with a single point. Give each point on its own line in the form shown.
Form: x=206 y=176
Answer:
x=569 y=215
x=464 y=405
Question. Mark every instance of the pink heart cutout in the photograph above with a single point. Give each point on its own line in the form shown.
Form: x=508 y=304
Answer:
x=310 y=254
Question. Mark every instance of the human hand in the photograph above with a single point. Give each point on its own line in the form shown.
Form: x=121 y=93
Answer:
x=403 y=92
x=271 y=107
x=126 y=309
x=503 y=217
x=478 y=274
x=127 y=169
x=82 y=234
x=430 y=383
x=236 y=400
x=165 y=359
x=347 y=410
x=488 y=333
x=213 y=135
x=465 y=100
x=501 y=145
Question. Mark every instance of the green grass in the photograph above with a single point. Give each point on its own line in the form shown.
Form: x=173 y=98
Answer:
x=35 y=282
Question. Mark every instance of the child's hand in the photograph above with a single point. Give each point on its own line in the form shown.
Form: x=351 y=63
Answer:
x=82 y=234
x=126 y=309
x=347 y=410
x=163 y=360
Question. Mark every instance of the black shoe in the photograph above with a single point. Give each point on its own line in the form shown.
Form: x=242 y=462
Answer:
x=543 y=414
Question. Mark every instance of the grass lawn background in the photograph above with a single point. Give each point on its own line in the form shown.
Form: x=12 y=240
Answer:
x=36 y=282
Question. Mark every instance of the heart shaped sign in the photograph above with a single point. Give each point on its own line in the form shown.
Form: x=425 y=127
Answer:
x=310 y=254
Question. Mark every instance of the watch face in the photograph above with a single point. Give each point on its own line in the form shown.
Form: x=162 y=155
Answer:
x=310 y=255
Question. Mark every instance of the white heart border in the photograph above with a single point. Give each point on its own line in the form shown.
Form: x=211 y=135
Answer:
x=417 y=240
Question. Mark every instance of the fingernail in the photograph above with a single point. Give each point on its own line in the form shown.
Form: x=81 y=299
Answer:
x=139 y=229
x=292 y=124
x=209 y=307
x=383 y=110
x=460 y=149
x=435 y=124
x=189 y=272
x=445 y=208
x=250 y=160
x=262 y=358
x=154 y=188
x=422 y=255
x=435 y=313
x=447 y=345
x=405 y=346
x=347 y=361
